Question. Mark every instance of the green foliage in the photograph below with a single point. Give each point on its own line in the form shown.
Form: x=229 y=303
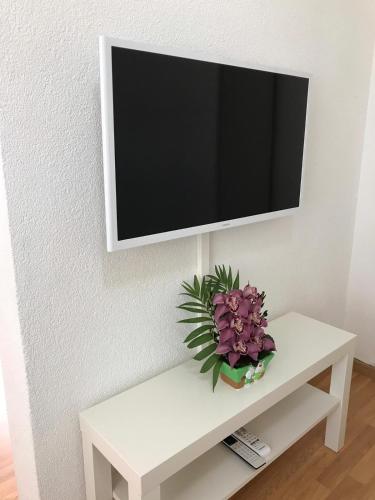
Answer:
x=201 y=293
x=197 y=319
x=202 y=339
x=216 y=372
x=206 y=351
x=197 y=331
x=210 y=362
x=223 y=280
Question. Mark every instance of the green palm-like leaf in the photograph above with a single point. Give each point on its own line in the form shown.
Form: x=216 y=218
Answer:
x=197 y=331
x=198 y=310
x=197 y=319
x=224 y=275
x=230 y=279
x=192 y=304
x=203 y=290
x=236 y=282
x=197 y=287
x=205 y=352
x=209 y=363
x=202 y=339
x=223 y=279
x=216 y=372
x=188 y=287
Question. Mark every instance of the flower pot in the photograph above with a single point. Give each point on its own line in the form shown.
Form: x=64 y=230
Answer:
x=238 y=377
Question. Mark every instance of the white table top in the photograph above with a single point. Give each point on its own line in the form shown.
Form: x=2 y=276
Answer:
x=156 y=421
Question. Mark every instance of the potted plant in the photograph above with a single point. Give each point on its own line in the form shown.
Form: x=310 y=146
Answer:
x=231 y=327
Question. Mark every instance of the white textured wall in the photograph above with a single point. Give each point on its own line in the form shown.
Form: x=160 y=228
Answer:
x=94 y=323
x=360 y=311
x=12 y=363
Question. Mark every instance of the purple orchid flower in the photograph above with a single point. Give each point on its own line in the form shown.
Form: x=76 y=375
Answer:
x=232 y=302
x=223 y=326
x=268 y=344
x=263 y=341
x=250 y=342
x=250 y=291
x=257 y=319
x=240 y=324
x=235 y=348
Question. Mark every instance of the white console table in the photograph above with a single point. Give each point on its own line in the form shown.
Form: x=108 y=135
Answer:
x=161 y=439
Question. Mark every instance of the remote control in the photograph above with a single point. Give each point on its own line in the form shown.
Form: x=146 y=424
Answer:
x=252 y=442
x=243 y=451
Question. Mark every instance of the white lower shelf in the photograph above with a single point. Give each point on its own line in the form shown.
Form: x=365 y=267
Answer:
x=219 y=473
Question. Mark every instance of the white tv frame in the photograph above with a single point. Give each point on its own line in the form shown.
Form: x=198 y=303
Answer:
x=105 y=45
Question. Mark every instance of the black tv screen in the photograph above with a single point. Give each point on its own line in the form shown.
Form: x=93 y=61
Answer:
x=199 y=143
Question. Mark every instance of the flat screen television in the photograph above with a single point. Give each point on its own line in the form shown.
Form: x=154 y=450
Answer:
x=192 y=146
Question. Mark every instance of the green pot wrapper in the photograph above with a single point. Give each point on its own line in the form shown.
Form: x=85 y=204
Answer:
x=245 y=374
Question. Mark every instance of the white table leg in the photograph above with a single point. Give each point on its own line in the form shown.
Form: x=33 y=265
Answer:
x=98 y=473
x=340 y=388
x=135 y=493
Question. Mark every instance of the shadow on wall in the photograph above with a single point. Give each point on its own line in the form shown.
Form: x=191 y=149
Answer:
x=137 y=265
